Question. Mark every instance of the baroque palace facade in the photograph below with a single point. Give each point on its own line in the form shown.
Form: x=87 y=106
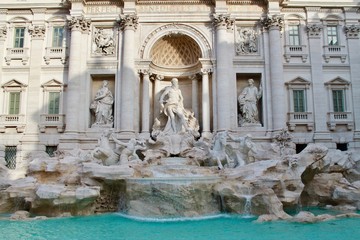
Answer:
x=55 y=55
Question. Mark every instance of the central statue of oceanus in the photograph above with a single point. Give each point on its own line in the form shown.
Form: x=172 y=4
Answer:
x=174 y=118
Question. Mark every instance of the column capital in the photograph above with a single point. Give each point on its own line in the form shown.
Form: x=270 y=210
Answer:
x=3 y=32
x=272 y=22
x=37 y=31
x=144 y=71
x=314 y=30
x=352 y=31
x=128 y=21
x=158 y=77
x=223 y=21
x=205 y=71
x=79 y=23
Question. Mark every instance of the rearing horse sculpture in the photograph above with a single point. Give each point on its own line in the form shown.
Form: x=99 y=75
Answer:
x=218 y=150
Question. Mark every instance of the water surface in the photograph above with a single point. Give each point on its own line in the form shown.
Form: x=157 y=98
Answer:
x=220 y=227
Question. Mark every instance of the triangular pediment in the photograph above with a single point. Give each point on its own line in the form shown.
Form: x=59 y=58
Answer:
x=13 y=84
x=52 y=83
x=338 y=81
x=298 y=81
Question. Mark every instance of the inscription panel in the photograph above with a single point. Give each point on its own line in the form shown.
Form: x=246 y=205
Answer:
x=172 y=8
x=102 y=9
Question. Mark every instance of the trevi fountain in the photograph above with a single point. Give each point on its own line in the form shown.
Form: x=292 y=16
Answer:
x=177 y=173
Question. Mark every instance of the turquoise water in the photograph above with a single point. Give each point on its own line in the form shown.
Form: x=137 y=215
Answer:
x=222 y=227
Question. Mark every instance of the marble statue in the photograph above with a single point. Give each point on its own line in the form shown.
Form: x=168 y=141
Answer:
x=104 y=151
x=128 y=150
x=247 y=149
x=102 y=106
x=174 y=118
x=248 y=99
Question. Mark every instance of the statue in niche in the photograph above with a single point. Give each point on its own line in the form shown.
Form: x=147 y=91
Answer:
x=104 y=41
x=102 y=106
x=247 y=41
x=174 y=118
x=248 y=98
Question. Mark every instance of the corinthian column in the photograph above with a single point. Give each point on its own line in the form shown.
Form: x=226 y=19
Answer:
x=128 y=24
x=273 y=25
x=205 y=97
x=145 y=113
x=223 y=23
x=77 y=25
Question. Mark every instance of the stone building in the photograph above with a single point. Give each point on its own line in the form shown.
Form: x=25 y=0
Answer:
x=303 y=57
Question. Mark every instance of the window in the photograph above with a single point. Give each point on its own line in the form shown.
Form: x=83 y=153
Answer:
x=338 y=100
x=10 y=157
x=19 y=37
x=294 y=35
x=58 y=36
x=332 y=36
x=14 y=103
x=54 y=102
x=299 y=101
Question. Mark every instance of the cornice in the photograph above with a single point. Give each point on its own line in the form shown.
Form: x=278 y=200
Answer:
x=104 y=2
x=174 y=2
x=246 y=2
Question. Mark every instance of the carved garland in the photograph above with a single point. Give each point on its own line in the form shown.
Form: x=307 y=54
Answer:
x=37 y=31
x=172 y=29
x=3 y=32
x=352 y=31
x=314 y=30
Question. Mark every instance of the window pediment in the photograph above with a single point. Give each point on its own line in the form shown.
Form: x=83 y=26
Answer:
x=53 y=85
x=14 y=85
x=338 y=82
x=298 y=82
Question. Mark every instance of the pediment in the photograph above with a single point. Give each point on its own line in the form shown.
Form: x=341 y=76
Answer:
x=13 y=84
x=299 y=81
x=52 y=83
x=337 y=81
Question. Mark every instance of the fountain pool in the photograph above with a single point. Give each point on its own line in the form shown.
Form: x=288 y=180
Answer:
x=227 y=227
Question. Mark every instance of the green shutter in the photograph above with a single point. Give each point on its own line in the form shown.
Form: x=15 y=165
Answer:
x=338 y=100
x=54 y=102
x=14 y=106
x=299 y=100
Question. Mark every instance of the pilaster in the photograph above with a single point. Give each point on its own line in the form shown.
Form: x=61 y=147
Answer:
x=273 y=24
x=314 y=31
x=352 y=35
x=194 y=97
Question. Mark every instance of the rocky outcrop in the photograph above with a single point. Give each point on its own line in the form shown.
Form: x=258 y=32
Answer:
x=77 y=184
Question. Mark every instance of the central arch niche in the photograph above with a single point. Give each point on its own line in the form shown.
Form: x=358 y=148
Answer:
x=175 y=51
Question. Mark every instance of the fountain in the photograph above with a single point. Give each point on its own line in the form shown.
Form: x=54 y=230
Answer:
x=177 y=174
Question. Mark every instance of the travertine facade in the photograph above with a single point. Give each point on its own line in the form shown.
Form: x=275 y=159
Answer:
x=56 y=54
